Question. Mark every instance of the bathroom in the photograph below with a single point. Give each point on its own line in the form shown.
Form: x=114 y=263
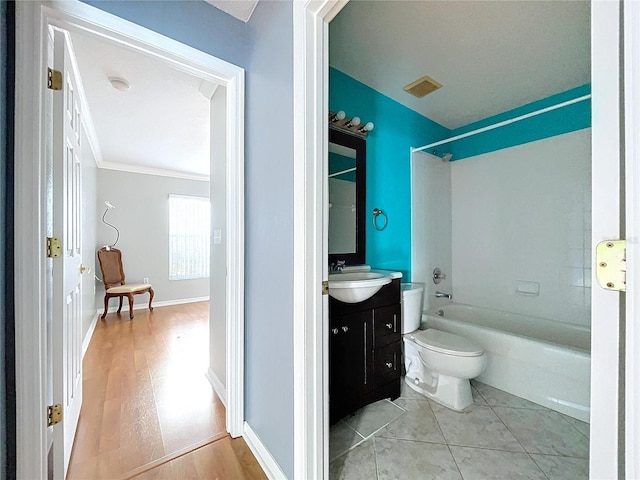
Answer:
x=507 y=220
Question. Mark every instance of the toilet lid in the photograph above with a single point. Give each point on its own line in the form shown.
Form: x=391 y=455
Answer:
x=445 y=342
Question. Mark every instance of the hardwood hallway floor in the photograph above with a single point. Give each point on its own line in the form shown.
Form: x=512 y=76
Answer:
x=148 y=410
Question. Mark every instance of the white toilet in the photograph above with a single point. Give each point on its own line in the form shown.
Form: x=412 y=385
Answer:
x=439 y=364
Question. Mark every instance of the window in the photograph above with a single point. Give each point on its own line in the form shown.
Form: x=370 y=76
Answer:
x=189 y=237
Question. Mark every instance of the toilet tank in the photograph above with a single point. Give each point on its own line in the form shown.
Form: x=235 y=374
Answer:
x=412 y=298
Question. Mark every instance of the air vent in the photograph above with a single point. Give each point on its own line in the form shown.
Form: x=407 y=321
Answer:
x=423 y=86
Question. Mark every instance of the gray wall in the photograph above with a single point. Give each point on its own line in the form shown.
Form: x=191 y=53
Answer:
x=89 y=221
x=142 y=216
x=269 y=229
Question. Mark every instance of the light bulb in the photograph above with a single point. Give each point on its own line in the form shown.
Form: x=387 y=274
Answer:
x=338 y=116
x=367 y=128
x=354 y=122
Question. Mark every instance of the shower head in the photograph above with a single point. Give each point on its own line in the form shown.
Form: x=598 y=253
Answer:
x=446 y=157
x=108 y=204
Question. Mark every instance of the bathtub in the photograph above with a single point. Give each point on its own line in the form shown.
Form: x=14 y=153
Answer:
x=543 y=361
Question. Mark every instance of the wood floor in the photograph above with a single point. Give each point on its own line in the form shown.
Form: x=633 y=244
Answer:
x=148 y=410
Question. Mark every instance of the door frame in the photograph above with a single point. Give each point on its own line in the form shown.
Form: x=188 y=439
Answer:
x=32 y=20
x=311 y=65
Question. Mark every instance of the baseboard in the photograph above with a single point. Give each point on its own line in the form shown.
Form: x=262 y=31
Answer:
x=262 y=454
x=89 y=334
x=143 y=304
x=218 y=386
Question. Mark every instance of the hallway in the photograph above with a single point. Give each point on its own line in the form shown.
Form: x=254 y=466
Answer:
x=148 y=408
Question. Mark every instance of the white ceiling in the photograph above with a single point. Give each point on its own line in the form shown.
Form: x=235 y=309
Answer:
x=241 y=9
x=490 y=56
x=161 y=124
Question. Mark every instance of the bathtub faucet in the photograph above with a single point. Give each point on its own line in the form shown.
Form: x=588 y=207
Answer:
x=444 y=295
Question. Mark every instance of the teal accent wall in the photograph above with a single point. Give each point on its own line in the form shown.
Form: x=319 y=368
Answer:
x=397 y=129
x=557 y=122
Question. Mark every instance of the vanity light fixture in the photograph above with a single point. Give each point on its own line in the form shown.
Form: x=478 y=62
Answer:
x=353 y=126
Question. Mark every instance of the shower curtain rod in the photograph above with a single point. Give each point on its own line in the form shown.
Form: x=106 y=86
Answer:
x=503 y=123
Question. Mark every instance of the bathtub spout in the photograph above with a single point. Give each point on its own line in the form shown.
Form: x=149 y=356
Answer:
x=444 y=295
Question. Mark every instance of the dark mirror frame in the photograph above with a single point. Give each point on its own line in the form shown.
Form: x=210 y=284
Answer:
x=360 y=146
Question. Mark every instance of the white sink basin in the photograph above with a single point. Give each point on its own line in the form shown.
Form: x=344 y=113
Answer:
x=354 y=287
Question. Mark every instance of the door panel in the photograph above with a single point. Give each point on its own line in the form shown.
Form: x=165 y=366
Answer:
x=67 y=297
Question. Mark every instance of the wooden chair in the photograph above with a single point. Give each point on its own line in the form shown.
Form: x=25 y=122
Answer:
x=113 y=279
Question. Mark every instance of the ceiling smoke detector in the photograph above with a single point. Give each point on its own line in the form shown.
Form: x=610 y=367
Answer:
x=423 y=86
x=119 y=84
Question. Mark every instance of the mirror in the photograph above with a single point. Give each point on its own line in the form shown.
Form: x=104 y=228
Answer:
x=347 y=190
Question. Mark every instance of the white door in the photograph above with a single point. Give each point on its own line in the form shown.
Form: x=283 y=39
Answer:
x=67 y=306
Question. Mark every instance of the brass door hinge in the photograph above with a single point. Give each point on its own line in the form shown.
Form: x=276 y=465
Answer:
x=325 y=287
x=611 y=265
x=54 y=414
x=54 y=79
x=54 y=247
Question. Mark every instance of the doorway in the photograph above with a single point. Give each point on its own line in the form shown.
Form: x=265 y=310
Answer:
x=310 y=44
x=30 y=207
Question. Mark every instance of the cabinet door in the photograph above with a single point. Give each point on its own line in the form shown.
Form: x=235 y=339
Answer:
x=386 y=362
x=348 y=361
x=386 y=325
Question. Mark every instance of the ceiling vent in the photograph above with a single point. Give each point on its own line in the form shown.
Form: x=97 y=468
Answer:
x=423 y=86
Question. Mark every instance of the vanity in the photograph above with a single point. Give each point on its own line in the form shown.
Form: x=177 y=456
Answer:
x=365 y=348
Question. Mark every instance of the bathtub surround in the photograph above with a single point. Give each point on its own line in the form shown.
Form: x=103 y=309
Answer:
x=523 y=215
x=431 y=225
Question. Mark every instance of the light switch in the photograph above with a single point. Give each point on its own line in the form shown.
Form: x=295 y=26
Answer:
x=217 y=236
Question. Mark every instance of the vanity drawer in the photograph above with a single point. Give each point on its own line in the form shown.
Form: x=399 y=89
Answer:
x=386 y=325
x=386 y=363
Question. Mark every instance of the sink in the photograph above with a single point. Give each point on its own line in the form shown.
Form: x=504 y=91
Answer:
x=355 y=287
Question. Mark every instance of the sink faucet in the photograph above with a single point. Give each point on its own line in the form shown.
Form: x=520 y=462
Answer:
x=337 y=266
x=444 y=295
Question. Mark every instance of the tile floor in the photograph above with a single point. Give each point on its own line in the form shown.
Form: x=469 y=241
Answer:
x=500 y=436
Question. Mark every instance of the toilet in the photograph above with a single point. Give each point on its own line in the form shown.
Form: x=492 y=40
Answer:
x=438 y=364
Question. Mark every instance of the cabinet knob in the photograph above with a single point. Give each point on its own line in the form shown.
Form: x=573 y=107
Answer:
x=335 y=331
x=390 y=326
x=345 y=329
x=389 y=364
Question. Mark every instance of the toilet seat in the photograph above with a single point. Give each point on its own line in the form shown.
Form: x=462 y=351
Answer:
x=445 y=342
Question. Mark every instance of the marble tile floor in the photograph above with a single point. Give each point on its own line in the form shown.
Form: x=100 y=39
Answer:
x=500 y=436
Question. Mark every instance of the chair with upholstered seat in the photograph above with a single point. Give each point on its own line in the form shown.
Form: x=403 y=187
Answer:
x=113 y=278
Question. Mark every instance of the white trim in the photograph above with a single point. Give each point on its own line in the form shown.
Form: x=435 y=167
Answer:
x=504 y=122
x=269 y=464
x=32 y=19
x=142 y=303
x=89 y=334
x=30 y=277
x=310 y=354
x=632 y=202
x=217 y=385
x=161 y=172
x=605 y=158
x=234 y=242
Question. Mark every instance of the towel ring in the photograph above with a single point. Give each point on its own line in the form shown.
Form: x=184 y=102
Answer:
x=376 y=213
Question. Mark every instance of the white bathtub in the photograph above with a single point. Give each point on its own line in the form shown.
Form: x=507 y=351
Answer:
x=546 y=362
